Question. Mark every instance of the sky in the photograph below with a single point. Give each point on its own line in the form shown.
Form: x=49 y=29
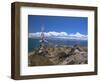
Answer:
x=58 y=25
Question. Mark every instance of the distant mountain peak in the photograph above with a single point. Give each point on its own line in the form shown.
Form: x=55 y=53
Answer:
x=59 y=35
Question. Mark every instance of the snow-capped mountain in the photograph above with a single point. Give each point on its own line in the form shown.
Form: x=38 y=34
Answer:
x=59 y=35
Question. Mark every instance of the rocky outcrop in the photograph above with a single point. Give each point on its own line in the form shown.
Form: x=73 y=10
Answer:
x=38 y=60
x=59 y=56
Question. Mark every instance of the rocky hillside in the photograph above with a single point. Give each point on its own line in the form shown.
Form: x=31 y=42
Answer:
x=59 y=56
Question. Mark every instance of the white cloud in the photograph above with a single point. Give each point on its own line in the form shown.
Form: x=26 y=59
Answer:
x=63 y=35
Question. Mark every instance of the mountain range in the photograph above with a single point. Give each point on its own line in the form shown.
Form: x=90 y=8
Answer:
x=59 y=35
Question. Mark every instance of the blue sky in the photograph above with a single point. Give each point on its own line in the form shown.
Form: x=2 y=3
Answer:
x=69 y=25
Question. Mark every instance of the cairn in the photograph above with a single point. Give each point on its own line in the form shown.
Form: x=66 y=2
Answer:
x=42 y=48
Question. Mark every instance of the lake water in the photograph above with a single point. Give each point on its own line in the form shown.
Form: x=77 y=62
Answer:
x=34 y=43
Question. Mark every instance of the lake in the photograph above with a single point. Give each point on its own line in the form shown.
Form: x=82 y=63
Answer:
x=34 y=43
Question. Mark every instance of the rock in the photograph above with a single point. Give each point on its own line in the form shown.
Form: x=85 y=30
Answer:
x=38 y=60
x=76 y=56
x=59 y=56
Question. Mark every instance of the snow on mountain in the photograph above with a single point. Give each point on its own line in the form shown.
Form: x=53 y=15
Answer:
x=59 y=35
